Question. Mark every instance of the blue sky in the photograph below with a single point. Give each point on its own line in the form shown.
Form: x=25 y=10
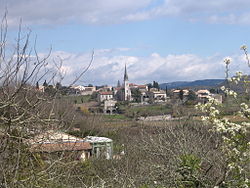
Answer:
x=162 y=40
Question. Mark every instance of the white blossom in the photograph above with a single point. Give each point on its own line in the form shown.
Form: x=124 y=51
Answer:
x=227 y=60
x=243 y=47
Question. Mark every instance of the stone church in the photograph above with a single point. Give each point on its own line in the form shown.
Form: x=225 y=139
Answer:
x=123 y=93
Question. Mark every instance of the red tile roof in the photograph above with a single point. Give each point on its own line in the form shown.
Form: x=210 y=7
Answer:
x=142 y=86
x=106 y=93
x=65 y=146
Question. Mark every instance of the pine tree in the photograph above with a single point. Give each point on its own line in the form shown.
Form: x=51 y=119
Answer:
x=37 y=85
x=45 y=84
x=118 y=83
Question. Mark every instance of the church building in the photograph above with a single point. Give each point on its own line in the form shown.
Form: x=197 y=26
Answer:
x=127 y=91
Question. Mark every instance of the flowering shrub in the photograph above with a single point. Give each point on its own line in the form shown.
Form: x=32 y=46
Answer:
x=235 y=136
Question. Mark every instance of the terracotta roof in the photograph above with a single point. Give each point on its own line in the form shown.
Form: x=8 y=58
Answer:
x=203 y=91
x=106 y=93
x=65 y=146
x=142 y=86
x=118 y=88
x=132 y=84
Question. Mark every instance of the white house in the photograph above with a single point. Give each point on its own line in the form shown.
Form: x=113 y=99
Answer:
x=105 y=95
x=157 y=96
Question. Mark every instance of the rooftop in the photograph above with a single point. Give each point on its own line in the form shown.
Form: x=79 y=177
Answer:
x=52 y=136
x=96 y=139
x=65 y=146
x=203 y=91
x=106 y=93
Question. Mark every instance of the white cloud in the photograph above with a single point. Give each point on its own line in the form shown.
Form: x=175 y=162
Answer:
x=115 y=11
x=63 y=11
x=107 y=69
x=212 y=11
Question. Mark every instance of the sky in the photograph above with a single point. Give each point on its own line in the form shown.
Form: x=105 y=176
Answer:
x=160 y=40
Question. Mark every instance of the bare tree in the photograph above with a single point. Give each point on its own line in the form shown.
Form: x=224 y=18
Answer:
x=25 y=112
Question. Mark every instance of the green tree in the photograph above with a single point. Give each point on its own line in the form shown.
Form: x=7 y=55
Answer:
x=149 y=86
x=156 y=85
x=45 y=84
x=37 y=85
x=118 y=83
x=136 y=94
x=181 y=94
x=58 y=86
x=192 y=95
x=212 y=90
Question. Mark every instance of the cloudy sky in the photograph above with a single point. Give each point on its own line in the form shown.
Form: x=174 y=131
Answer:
x=161 y=40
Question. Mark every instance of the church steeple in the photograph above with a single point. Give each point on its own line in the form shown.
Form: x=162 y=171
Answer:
x=127 y=91
x=125 y=74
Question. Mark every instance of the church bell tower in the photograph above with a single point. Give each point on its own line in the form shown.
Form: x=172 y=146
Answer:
x=127 y=91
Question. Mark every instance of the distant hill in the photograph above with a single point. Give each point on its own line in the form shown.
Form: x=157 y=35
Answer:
x=191 y=84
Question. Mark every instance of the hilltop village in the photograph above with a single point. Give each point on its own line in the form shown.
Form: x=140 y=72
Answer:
x=106 y=99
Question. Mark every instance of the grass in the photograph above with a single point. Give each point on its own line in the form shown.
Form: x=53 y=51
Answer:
x=79 y=99
x=150 y=110
x=116 y=117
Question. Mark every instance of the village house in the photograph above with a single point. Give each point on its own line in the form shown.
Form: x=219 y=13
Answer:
x=109 y=106
x=88 y=90
x=105 y=88
x=176 y=93
x=141 y=88
x=84 y=90
x=203 y=96
x=156 y=95
x=102 y=147
x=77 y=148
x=56 y=141
x=104 y=95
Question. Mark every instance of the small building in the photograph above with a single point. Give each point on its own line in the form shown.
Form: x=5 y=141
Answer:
x=84 y=90
x=56 y=141
x=105 y=95
x=157 y=96
x=176 y=93
x=142 y=88
x=109 y=106
x=88 y=90
x=105 y=88
x=102 y=147
x=79 y=88
x=203 y=94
